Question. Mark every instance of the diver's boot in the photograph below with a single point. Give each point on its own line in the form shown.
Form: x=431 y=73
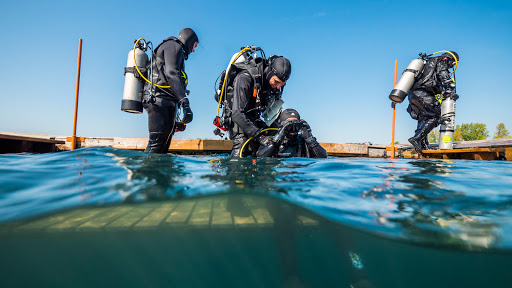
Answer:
x=238 y=142
x=416 y=142
x=421 y=133
x=424 y=143
x=157 y=142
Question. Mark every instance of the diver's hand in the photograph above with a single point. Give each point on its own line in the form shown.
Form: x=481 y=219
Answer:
x=187 y=112
x=393 y=104
x=265 y=140
x=267 y=147
x=306 y=130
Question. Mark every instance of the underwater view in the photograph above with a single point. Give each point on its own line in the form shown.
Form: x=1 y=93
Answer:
x=104 y=217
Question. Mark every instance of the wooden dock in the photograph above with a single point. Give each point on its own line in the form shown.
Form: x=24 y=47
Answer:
x=23 y=142
x=203 y=213
x=179 y=146
x=494 y=149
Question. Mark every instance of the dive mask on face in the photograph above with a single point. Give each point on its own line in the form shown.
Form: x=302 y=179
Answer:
x=295 y=126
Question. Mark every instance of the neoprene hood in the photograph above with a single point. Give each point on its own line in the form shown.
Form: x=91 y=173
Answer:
x=288 y=113
x=188 y=37
x=282 y=68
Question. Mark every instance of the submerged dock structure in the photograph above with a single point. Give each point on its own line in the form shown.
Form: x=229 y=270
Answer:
x=494 y=149
x=231 y=240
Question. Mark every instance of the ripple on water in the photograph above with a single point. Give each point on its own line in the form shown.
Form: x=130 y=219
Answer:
x=410 y=199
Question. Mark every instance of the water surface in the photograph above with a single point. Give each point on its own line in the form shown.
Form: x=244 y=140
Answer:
x=456 y=212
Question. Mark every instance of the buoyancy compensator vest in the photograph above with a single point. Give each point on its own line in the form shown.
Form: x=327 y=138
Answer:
x=420 y=73
x=160 y=83
x=241 y=62
x=137 y=71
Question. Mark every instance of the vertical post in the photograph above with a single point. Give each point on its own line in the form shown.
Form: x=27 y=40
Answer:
x=393 y=132
x=73 y=140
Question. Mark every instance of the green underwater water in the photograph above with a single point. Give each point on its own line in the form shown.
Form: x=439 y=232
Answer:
x=103 y=217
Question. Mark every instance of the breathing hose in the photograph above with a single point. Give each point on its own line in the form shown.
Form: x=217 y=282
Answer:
x=136 y=67
x=456 y=62
x=242 y=150
x=225 y=76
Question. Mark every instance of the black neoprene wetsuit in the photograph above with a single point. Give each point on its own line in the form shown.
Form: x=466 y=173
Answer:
x=168 y=65
x=245 y=115
x=423 y=105
x=294 y=147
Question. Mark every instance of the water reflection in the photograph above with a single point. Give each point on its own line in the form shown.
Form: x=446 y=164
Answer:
x=263 y=176
x=151 y=177
x=424 y=205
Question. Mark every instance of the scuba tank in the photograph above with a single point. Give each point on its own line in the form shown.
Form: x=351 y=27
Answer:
x=133 y=82
x=448 y=124
x=412 y=73
x=408 y=78
x=240 y=61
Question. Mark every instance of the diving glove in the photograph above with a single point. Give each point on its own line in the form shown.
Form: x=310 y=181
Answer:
x=187 y=113
x=307 y=135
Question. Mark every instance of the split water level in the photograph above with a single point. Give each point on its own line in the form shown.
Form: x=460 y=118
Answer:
x=103 y=217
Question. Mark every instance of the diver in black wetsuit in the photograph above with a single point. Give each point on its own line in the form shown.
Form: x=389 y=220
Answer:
x=288 y=143
x=161 y=103
x=423 y=105
x=247 y=105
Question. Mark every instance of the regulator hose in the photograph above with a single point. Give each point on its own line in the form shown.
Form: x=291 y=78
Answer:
x=243 y=146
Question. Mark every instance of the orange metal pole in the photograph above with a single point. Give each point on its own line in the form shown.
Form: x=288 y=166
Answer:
x=73 y=140
x=393 y=133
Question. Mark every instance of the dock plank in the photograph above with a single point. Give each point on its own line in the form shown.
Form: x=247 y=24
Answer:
x=129 y=219
x=48 y=221
x=181 y=213
x=156 y=216
x=100 y=221
x=306 y=221
x=202 y=213
x=343 y=149
x=76 y=220
x=30 y=137
x=259 y=211
x=244 y=221
x=221 y=216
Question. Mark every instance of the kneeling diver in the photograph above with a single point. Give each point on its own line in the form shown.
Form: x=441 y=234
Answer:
x=293 y=139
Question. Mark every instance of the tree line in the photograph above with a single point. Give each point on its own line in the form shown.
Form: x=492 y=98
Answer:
x=471 y=131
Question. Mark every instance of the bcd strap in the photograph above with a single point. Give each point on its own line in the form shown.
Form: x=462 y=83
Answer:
x=135 y=72
x=415 y=72
x=256 y=75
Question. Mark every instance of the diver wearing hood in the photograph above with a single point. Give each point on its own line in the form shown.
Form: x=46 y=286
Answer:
x=423 y=105
x=161 y=104
x=288 y=142
x=250 y=99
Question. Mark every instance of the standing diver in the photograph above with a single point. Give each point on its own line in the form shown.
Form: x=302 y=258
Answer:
x=423 y=105
x=249 y=101
x=161 y=104
x=288 y=143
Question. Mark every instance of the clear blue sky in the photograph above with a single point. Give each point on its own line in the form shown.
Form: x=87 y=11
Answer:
x=342 y=55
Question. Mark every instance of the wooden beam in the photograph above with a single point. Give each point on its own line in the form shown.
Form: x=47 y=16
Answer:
x=466 y=150
x=508 y=154
x=336 y=149
x=15 y=136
